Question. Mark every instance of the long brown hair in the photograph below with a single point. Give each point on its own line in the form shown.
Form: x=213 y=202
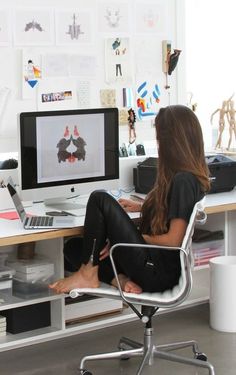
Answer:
x=180 y=148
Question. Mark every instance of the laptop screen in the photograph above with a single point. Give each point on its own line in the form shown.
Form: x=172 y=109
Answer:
x=17 y=202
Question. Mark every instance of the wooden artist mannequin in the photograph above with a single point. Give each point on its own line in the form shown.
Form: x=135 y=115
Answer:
x=232 y=122
x=222 y=113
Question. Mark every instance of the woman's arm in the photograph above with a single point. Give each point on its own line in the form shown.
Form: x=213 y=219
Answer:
x=129 y=205
x=173 y=237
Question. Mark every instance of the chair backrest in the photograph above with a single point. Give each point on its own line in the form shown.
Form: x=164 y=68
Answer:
x=198 y=216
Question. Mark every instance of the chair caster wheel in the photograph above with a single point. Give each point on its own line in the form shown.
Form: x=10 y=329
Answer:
x=123 y=358
x=201 y=356
x=85 y=372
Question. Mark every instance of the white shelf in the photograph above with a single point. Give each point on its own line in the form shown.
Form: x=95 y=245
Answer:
x=13 y=302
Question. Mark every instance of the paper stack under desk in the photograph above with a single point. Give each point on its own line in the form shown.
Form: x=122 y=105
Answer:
x=84 y=307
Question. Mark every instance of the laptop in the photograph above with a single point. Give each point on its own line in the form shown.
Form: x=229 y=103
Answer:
x=37 y=222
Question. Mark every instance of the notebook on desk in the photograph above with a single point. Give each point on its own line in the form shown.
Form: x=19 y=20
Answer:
x=37 y=222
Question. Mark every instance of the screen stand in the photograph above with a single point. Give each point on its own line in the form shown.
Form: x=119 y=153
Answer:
x=62 y=204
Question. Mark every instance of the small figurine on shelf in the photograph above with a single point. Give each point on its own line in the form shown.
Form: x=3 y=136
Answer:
x=131 y=124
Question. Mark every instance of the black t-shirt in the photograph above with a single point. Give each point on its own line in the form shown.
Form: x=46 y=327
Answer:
x=184 y=193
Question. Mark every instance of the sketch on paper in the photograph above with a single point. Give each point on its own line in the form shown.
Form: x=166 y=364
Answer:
x=117 y=54
x=148 y=98
x=73 y=27
x=33 y=26
x=151 y=18
x=4 y=27
x=55 y=65
x=113 y=16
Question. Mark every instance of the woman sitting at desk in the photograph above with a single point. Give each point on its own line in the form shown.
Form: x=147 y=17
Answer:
x=182 y=181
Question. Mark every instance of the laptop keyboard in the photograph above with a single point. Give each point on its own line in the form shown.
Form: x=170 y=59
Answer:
x=41 y=221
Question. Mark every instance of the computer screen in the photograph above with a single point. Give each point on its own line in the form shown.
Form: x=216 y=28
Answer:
x=67 y=153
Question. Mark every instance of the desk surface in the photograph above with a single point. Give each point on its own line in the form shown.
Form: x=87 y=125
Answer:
x=11 y=231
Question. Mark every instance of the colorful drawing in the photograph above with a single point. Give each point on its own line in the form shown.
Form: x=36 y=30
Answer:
x=32 y=74
x=117 y=53
x=147 y=100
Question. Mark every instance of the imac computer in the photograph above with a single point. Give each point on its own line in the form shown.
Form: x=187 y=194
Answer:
x=64 y=154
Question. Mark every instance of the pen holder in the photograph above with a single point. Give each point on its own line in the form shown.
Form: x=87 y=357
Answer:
x=26 y=250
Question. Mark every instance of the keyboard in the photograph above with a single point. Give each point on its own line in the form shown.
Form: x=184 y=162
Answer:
x=42 y=221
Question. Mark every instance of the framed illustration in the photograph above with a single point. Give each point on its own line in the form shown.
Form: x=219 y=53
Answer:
x=5 y=35
x=33 y=26
x=73 y=27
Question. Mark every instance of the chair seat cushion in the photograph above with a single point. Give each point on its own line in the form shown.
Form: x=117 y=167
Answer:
x=168 y=297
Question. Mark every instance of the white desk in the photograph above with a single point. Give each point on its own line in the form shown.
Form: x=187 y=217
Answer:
x=221 y=209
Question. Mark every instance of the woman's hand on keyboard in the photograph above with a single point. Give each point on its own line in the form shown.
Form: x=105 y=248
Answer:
x=130 y=205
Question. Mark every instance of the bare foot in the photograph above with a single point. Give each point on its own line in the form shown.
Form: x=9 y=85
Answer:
x=127 y=285
x=86 y=277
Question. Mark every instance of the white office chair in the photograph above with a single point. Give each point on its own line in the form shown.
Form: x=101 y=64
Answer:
x=149 y=303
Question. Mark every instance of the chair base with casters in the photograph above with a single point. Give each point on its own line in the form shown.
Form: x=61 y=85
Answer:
x=149 y=303
x=128 y=348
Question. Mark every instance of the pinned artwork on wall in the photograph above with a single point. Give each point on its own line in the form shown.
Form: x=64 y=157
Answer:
x=34 y=26
x=117 y=55
x=113 y=17
x=55 y=65
x=108 y=98
x=32 y=73
x=123 y=116
x=151 y=17
x=147 y=99
x=57 y=94
x=73 y=27
x=5 y=35
x=83 y=92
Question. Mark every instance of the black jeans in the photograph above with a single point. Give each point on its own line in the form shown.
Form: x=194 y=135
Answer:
x=152 y=270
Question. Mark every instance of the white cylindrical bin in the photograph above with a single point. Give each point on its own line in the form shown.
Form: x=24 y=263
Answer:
x=223 y=293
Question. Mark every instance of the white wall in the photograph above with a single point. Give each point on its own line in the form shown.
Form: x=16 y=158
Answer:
x=210 y=62
x=146 y=59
